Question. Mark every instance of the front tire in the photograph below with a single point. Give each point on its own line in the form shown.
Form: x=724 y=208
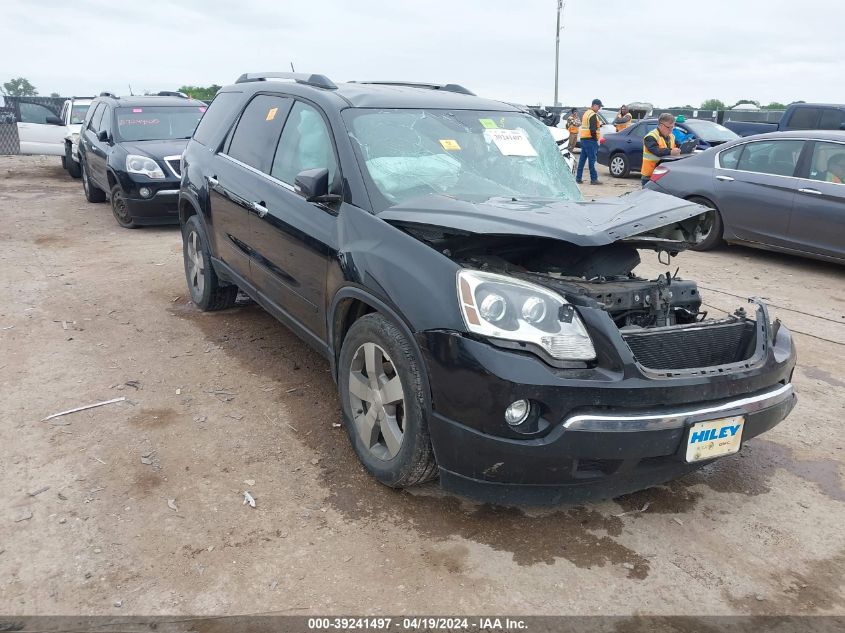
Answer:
x=712 y=237
x=207 y=291
x=92 y=192
x=619 y=166
x=384 y=400
x=120 y=208
x=71 y=165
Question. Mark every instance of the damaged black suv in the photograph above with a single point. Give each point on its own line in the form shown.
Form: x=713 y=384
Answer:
x=482 y=321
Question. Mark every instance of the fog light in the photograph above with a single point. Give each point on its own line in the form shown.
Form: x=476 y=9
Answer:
x=517 y=412
x=145 y=192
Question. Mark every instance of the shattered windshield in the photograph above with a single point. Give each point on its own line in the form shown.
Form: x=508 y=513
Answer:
x=465 y=154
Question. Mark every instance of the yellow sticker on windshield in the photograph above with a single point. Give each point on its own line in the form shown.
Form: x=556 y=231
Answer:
x=271 y=114
x=488 y=123
x=450 y=145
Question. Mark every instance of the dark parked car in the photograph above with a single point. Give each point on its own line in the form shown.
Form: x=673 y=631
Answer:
x=622 y=152
x=482 y=321
x=798 y=116
x=782 y=191
x=130 y=150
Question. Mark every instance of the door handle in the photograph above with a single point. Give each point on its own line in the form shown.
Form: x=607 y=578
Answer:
x=815 y=192
x=260 y=209
x=213 y=181
x=725 y=178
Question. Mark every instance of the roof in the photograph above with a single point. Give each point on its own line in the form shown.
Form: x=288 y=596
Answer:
x=824 y=135
x=151 y=100
x=371 y=95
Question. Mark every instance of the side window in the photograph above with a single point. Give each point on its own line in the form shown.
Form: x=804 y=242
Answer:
x=804 y=119
x=105 y=122
x=34 y=113
x=832 y=119
x=257 y=134
x=305 y=144
x=65 y=107
x=828 y=162
x=771 y=157
x=643 y=129
x=730 y=157
x=216 y=116
x=96 y=117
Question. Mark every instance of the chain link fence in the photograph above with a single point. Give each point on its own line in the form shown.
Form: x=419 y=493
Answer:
x=24 y=110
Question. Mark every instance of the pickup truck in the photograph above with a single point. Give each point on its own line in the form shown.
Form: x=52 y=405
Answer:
x=798 y=116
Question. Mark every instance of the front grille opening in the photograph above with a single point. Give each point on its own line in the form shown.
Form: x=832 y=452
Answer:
x=693 y=346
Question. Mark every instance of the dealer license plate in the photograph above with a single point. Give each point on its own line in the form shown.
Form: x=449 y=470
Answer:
x=714 y=438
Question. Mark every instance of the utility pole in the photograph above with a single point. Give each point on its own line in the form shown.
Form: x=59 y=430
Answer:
x=557 y=48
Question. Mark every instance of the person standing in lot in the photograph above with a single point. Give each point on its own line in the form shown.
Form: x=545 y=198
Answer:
x=572 y=128
x=623 y=119
x=589 y=133
x=657 y=144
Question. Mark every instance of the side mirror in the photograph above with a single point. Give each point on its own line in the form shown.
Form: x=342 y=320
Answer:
x=313 y=185
x=103 y=136
x=53 y=120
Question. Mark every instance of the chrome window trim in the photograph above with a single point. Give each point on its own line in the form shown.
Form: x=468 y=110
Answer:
x=656 y=421
x=258 y=172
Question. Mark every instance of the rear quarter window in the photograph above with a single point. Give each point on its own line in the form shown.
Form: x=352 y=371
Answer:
x=217 y=119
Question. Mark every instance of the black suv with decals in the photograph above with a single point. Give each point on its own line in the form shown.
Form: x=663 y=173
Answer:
x=130 y=149
x=482 y=321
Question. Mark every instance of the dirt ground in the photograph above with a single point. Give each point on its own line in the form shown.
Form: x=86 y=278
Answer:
x=137 y=507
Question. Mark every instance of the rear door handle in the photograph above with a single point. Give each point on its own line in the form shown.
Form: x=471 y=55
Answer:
x=725 y=178
x=815 y=192
x=260 y=209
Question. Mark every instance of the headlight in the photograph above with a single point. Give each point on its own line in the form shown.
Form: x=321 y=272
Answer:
x=143 y=165
x=501 y=307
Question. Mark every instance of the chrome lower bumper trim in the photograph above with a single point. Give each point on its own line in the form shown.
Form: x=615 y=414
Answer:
x=673 y=419
x=167 y=192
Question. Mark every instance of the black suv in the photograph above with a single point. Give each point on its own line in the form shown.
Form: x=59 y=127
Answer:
x=130 y=150
x=483 y=323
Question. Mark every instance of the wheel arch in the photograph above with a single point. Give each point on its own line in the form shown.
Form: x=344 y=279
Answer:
x=349 y=305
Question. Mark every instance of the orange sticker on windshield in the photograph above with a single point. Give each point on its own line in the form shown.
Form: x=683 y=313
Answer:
x=450 y=145
x=271 y=114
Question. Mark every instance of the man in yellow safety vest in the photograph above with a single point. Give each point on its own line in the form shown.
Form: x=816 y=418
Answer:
x=657 y=144
x=572 y=127
x=589 y=134
x=623 y=119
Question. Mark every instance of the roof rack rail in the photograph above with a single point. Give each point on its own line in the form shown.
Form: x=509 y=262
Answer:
x=106 y=93
x=171 y=93
x=318 y=81
x=417 y=84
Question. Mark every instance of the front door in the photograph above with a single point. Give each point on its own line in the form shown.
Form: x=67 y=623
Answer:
x=294 y=238
x=757 y=194
x=238 y=177
x=35 y=134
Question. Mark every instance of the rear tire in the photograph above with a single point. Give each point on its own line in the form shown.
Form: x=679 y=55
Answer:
x=71 y=165
x=207 y=291
x=383 y=394
x=92 y=192
x=713 y=238
x=619 y=166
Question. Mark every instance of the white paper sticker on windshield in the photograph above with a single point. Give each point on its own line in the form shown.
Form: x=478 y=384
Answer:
x=511 y=142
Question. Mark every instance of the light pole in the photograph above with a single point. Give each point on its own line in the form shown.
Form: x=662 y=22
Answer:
x=557 y=48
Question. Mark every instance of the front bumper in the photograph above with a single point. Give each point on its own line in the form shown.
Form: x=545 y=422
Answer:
x=606 y=434
x=162 y=207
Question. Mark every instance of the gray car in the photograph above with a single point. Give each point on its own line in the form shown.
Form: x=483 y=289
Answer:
x=783 y=191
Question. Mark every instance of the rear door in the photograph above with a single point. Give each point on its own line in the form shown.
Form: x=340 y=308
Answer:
x=634 y=144
x=238 y=180
x=755 y=189
x=293 y=238
x=818 y=219
x=35 y=134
